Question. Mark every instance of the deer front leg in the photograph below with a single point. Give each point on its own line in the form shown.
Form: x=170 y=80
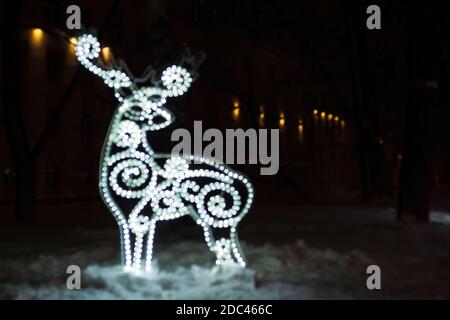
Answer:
x=142 y=250
x=151 y=237
x=137 y=254
x=143 y=229
x=127 y=259
x=139 y=231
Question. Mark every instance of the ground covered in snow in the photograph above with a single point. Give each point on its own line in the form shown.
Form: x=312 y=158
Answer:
x=305 y=253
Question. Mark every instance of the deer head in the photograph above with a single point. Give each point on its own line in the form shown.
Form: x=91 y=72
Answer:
x=140 y=103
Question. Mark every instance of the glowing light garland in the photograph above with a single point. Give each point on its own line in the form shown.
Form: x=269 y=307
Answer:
x=162 y=186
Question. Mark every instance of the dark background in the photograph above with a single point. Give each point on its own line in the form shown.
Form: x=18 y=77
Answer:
x=363 y=114
x=383 y=95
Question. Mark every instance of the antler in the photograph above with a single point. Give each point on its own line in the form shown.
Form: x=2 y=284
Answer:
x=175 y=81
x=87 y=51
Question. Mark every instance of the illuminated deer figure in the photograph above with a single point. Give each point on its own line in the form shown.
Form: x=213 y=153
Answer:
x=161 y=186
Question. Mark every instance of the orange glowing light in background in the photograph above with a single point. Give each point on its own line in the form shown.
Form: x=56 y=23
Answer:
x=262 y=116
x=301 y=128
x=236 y=109
x=282 y=121
x=106 y=53
x=37 y=34
x=236 y=113
x=73 y=41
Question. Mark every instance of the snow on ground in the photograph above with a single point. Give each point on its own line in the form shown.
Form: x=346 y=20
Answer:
x=184 y=271
x=329 y=263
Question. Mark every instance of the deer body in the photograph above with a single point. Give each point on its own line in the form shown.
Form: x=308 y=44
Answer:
x=161 y=186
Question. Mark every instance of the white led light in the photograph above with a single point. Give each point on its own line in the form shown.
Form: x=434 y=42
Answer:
x=88 y=49
x=177 y=80
x=163 y=187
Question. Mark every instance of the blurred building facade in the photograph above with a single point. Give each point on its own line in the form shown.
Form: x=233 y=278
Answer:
x=259 y=72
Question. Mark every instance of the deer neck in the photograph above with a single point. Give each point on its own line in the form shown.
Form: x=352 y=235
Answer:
x=138 y=129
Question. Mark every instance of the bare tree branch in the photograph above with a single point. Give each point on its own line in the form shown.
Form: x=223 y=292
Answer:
x=63 y=103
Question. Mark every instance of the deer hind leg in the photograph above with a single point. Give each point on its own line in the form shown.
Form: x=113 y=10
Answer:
x=236 y=247
x=226 y=248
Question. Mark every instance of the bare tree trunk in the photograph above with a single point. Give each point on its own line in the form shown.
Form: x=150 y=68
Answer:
x=416 y=173
x=357 y=63
x=18 y=142
x=375 y=171
x=24 y=155
x=415 y=176
x=26 y=190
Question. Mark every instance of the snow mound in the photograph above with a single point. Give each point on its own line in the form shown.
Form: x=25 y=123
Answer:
x=185 y=271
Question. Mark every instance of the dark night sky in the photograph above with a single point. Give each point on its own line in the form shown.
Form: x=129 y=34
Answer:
x=287 y=59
